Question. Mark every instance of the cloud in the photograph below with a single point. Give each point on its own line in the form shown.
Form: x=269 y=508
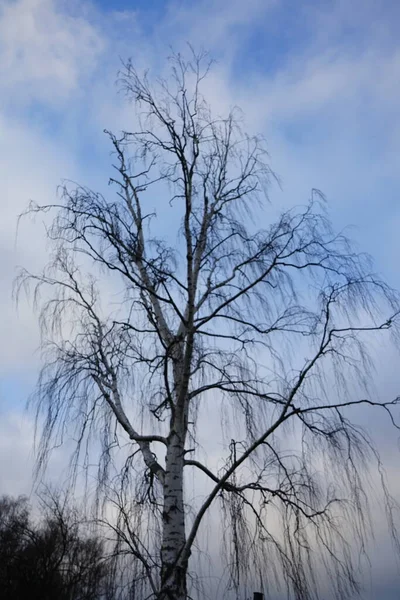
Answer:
x=328 y=108
x=16 y=456
x=32 y=167
x=216 y=25
x=45 y=50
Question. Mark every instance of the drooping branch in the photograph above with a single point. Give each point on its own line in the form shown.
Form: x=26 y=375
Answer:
x=148 y=314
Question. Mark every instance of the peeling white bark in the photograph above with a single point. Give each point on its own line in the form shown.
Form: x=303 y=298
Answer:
x=173 y=576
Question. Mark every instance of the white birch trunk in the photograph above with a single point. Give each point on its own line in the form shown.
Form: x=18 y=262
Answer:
x=173 y=575
x=174 y=566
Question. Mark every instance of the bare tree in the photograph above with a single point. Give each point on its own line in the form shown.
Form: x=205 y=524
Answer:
x=210 y=312
x=53 y=558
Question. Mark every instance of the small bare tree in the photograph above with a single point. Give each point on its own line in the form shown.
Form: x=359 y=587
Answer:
x=267 y=325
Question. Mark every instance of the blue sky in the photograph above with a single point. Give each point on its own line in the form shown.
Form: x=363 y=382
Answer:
x=320 y=79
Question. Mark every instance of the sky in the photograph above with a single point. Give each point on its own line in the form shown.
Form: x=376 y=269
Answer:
x=320 y=79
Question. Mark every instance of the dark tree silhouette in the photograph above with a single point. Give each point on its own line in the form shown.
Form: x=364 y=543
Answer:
x=217 y=307
x=50 y=560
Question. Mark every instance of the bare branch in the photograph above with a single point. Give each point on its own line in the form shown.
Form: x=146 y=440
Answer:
x=150 y=316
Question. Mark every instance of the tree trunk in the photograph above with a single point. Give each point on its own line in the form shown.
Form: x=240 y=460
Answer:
x=173 y=572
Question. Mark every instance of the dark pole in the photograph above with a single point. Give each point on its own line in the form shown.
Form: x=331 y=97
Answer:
x=258 y=596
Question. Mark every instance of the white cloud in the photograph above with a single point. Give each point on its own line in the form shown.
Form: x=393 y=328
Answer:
x=44 y=51
x=16 y=453
x=217 y=25
x=52 y=53
x=32 y=167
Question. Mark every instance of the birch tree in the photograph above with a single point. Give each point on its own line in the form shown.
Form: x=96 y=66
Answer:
x=218 y=304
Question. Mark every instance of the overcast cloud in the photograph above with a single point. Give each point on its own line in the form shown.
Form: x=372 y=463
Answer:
x=320 y=79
